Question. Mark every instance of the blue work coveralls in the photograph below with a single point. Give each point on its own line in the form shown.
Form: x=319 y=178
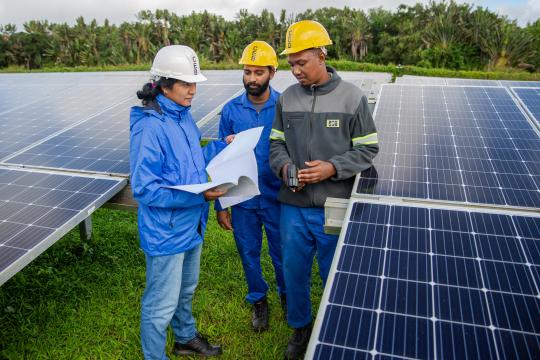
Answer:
x=249 y=216
x=165 y=150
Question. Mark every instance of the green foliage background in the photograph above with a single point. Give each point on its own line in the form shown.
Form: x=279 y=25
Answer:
x=436 y=35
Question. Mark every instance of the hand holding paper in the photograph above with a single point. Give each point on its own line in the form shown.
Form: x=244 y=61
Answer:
x=233 y=169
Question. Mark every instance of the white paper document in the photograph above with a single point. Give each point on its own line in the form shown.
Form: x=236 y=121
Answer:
x=233 y=169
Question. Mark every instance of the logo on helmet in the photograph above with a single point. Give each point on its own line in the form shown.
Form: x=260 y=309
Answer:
x=289 y=38
x=195 y=65
x=254 y=53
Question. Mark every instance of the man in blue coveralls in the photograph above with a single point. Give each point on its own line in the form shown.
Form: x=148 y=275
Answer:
x=254 y=108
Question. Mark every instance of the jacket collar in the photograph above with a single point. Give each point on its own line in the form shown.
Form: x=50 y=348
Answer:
x=152 y=106
x=271 y=102
x=326 y=87
x=170 y=108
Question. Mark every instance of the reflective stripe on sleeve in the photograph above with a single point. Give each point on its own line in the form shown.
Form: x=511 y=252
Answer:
x=277 y=135
x=365 y=140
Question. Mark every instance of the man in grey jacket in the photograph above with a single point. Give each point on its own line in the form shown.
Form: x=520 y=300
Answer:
x=322 y=126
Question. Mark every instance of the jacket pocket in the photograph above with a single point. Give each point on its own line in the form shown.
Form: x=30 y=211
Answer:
x=293 y=120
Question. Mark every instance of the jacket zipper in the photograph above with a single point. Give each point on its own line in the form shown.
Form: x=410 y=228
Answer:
x=257 y=123
x=171 y=224
x=311 y=197
x=310 y=120
x=189 y=145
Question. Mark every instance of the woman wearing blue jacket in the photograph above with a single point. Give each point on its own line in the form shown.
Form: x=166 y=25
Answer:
x=165 y=150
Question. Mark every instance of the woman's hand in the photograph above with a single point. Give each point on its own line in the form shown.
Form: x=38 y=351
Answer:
x=213 y=194
x=229 y=139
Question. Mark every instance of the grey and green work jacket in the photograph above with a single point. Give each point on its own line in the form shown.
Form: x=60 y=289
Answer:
x=329 y=122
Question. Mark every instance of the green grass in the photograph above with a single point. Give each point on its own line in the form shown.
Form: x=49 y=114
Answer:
x=82 y=300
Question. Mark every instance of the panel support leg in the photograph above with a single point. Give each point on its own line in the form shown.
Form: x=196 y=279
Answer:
x=85 y=229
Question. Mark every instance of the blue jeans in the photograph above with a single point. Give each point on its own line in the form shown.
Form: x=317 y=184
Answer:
x=170 y=284
x=247 y=224
x=302 y=234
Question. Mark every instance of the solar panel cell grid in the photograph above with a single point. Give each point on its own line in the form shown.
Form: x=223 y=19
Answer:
x=37 y=208
x=510 y=83
x=423 y=283
x=487 y=156
x=426 y=80
x=36 y=121
x=530 y=98
x=101 y=143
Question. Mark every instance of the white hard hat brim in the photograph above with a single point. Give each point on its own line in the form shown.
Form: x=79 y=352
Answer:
x=193 y=78
x=187 y=78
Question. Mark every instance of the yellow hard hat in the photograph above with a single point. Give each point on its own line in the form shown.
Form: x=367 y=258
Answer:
x=259 y=53
x=305 y=34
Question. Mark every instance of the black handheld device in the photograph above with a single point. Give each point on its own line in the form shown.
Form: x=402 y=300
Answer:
x=292 y=176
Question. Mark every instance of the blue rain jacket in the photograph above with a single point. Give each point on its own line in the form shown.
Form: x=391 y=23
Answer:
x=239 y=115
x=165 y=150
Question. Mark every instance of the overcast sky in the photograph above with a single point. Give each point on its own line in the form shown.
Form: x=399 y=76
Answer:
x=19 y=11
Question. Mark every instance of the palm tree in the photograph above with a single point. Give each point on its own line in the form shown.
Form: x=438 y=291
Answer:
x=503 y=41
x=360 y=36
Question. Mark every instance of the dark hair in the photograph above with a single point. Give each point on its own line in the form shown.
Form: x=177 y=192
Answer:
x=151 y=90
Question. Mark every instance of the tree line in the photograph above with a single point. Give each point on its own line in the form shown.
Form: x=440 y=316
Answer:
x=435 y=35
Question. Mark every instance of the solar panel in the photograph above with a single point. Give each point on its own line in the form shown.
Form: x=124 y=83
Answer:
x=513 y=83
x=72 y=78
x=459 y=144
x=530 y=99
x=101 y=143
x=424 y=283
x=36 y=121
x=230 y=77
x=282 y=80
x=38 y=208
x=13 y=97
x=210 y=128
x=472 y=82
x=369 y=82
x=427 y=80
x=421 y=80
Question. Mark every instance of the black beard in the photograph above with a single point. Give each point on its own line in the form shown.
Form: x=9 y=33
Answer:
x=257 y=91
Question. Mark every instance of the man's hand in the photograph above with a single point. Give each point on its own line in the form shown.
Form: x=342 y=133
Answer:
x=224 y=219
x=213 y=194
x=318 y=171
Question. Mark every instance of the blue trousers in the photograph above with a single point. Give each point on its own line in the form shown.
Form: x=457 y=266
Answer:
x=170 y=284
x=247 y=225
x=302 y=233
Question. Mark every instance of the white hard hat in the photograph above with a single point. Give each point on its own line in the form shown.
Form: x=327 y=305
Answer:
x=177 y=62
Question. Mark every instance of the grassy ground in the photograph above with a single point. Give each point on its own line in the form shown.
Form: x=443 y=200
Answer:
x=81 y=300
